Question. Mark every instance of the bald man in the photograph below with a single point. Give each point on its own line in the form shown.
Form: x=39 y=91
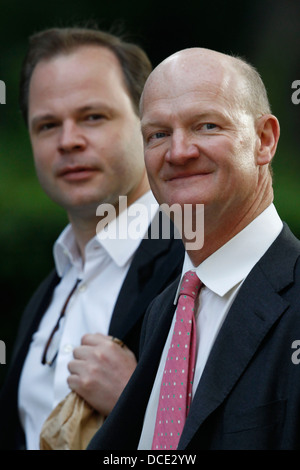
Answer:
x=209 y=139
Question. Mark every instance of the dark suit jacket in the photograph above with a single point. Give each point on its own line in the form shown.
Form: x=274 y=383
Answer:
x=249 y=394
x=156 y=263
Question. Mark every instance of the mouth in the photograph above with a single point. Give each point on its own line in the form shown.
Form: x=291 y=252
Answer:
x=76 y=173
x=185 y=176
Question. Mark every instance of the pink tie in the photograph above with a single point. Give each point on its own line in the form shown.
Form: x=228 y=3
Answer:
x=176 y=387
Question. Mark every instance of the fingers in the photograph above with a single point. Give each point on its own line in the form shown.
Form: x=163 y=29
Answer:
x=100 y=355
x=98 y=345
x=100 y=370
x=93 y=339
x=81 y=352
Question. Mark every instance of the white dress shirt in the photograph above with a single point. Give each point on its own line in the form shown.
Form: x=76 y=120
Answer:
x=107 y=260
x=222 y=274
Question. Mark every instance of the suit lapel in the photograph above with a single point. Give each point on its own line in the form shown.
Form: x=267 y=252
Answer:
x=139 y=273
x=155 y=264
x=33 y=314
x=256 y=308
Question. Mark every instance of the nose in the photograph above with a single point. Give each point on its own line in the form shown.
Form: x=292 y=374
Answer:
x=182 y=148
x=71 y=137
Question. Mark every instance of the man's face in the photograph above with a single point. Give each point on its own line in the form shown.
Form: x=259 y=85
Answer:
x=85 y=135
x=199 y=140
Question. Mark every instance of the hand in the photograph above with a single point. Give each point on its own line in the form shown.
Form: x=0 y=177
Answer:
x=100 y=370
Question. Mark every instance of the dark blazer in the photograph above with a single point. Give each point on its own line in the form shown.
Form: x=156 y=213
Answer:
x=249 y=394
x=156 y=263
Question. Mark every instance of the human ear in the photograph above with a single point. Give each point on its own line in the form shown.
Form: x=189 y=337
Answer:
x=268 y=131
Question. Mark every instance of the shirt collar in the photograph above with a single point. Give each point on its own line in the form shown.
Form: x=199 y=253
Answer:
x=231 y=263
x=65 y=251
x=120 y=240
x=123 y=235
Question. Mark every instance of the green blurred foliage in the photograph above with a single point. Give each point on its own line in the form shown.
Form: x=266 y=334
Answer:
x=265 y=32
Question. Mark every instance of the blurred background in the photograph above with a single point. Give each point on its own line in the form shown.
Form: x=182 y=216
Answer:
x=266 y=32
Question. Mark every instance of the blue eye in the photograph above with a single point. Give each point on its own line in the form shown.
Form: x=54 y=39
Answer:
x=158 y=135
x=209 y=126
x=46 y=126
x=95 y=117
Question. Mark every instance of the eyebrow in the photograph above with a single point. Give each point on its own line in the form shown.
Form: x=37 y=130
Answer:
x=163 y=121
x=40 y=118
x=94 y=106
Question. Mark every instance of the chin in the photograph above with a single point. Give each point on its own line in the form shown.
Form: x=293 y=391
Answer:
x=184 y=199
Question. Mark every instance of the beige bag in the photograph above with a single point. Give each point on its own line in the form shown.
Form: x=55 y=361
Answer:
x=71 y=425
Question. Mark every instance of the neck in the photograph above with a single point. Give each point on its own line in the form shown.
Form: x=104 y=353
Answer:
x=84 y=230
x=219 y=231
x=85 y=226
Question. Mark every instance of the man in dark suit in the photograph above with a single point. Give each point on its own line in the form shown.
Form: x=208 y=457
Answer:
x=209 y=139
x=79 y=95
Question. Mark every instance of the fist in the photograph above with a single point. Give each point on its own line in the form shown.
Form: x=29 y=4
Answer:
x=100 y=370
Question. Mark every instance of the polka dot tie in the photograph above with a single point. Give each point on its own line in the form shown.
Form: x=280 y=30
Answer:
x=176 y=387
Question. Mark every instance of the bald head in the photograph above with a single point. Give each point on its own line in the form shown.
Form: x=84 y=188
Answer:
x=226 y=72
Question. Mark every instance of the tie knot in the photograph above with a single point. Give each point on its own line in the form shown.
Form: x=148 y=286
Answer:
x=191 y=284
